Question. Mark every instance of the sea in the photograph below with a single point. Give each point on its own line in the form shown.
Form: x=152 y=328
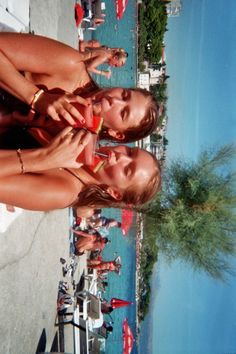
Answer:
x=120 y=33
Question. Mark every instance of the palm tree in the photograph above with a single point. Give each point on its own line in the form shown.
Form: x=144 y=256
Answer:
x=193 y=219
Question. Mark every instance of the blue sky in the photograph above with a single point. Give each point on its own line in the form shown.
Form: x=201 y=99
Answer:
x=192 y=314
x=201 y=57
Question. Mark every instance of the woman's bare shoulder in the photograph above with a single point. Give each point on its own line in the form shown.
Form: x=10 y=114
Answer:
x=66 y=185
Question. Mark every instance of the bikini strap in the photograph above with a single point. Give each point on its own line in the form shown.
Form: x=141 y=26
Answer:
x=73 y=173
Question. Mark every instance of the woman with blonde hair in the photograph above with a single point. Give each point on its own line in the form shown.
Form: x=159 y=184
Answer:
x=115 y=57
x=52 y=177
x=51 y=78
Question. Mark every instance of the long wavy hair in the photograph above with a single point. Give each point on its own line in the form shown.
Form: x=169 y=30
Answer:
x=96 y=196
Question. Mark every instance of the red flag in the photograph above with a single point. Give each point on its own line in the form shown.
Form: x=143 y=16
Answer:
x=120 y=8
x=116 y=303
x=128 y=338
x=79 y=14
x=126 y=220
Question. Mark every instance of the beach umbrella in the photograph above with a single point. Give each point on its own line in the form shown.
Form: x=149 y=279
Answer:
x=116 y=303
x=126 y=220
x=128 y=338
x=120 y=8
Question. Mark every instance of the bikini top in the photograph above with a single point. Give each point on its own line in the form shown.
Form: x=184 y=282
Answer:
x=10 y=103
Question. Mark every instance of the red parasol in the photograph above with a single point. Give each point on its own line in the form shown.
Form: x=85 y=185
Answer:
x=128 y=338
x=116 y=303
x=79 y=14
x=126 y=220
x=120 y=8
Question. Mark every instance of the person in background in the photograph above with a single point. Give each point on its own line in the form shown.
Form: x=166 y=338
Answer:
x=105 y=266
x=91 y=44
x=102 y=222
x=115 y=57
x=106 y=307
x=89 y=242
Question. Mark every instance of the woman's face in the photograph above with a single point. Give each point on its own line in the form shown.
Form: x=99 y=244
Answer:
x=126 y=167
x=120 y=108
x=116 y=62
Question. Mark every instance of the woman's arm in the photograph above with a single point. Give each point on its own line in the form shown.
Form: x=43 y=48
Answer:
x=63 y=151
x=95 y=58
x=48 y=188
x=38 y=54
x=106 y=73
x=41 y=55
x=83 y=234
x=42 y=192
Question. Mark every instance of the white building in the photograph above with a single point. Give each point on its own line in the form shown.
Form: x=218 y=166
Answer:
x=155 y=75
x=149 y=77
x=144 y=80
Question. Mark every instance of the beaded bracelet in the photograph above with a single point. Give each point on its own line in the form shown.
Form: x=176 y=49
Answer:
x=18 y=151
x=36 y=97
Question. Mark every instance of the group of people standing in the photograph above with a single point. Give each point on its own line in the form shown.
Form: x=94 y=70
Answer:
x=92 y=239
x=45 y=85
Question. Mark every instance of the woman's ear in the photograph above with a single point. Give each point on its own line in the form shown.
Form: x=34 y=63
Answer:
x=114 y=192
x=115 y=134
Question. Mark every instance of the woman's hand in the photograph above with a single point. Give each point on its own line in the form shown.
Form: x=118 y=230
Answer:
x=65 y=148
x=107 y=74
x=58 y=107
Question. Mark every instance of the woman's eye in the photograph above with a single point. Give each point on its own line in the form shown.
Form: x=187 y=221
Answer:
x=124 y=94
x=123 y=115
x=129 y=151
x=128 y=171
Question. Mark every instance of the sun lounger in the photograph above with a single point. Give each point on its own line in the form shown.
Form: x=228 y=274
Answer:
x=92 y=282
x=81 y=338
x=90 y=309
x=85 y=341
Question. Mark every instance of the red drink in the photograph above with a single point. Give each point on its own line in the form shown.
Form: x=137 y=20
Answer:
x=92 y=123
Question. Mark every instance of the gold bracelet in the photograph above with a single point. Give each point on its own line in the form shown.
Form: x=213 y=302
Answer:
x=36 y=97
x=18 y=151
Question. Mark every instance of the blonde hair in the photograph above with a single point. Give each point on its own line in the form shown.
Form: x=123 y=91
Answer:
x=147 y=124
x=96 y=195
x=120 y=54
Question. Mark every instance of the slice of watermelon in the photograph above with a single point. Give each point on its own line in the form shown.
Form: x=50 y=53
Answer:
x=92 y=123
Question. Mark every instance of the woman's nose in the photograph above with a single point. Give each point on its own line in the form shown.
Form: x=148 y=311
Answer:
x=124 y=158
x=117 y=100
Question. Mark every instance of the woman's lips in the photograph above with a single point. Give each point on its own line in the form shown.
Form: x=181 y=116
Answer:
x=112 y=158
x=101 y=105
x=105 y=104
x=97 y=107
